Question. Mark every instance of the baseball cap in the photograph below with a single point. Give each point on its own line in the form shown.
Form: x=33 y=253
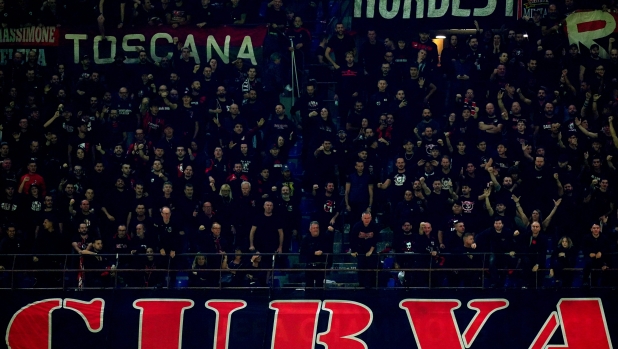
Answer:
x=285 y=168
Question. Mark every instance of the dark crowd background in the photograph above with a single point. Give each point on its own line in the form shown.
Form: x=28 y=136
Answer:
x=501 y=143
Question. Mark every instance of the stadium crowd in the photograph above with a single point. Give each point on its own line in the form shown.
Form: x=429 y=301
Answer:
x=502 y=143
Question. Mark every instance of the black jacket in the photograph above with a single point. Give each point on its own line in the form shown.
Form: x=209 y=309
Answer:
x=491 y=241
x=169 y=236
x=534 y=248
x=310 y=245
x=362 y=237
x=595 y=245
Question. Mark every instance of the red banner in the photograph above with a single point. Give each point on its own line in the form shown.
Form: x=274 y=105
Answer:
x=120 y=320
x=30 y=37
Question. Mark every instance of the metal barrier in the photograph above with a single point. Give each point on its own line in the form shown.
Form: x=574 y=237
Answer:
x=427 y=272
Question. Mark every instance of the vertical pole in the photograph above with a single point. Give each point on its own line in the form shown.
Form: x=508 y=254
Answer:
x=483 y=272
x=430 y=271
x=64 y=271
x=169 y=262
x=13 y=272
x=325 y=265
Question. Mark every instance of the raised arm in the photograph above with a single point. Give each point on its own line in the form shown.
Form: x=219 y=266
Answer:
x=584 y=110
x=523 y=98
x=167 y=102
x=486 y=194
x=567 y=82
x=547 y=220
x=559 y=184
x=494 y=180
x=53 y=118
x=426 y=189
x=22 y=184
x=370 y=188
x=504 y=113
x=595 y=109
x=449 y=145
x=520 y=211
x=612 y=131
x=578 y=123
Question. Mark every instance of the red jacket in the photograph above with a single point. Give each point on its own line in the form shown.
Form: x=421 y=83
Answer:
x=34 y=179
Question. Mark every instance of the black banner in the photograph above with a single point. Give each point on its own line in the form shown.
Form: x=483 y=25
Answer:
x=396 y=16
x=68 y=44
x=428 y=319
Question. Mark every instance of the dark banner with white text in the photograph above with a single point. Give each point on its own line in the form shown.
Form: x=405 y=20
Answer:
x=68 y=45
x=412 y=15
x=427 y=319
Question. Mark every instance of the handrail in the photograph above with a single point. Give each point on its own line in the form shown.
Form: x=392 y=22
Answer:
x=423 y=276
x=270 y=254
